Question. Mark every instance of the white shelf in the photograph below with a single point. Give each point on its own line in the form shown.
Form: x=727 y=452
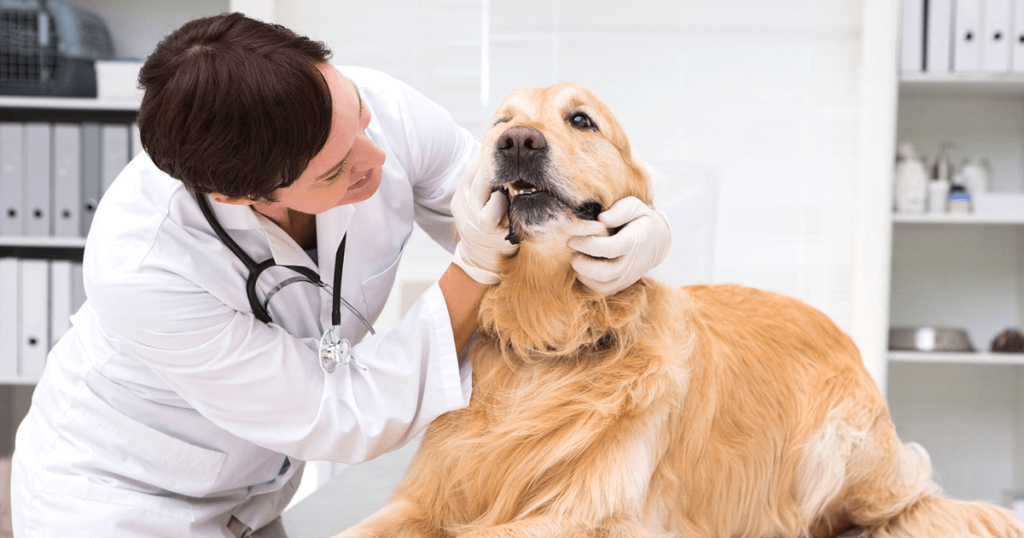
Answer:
x=18 y=241
x=948 y=218
x=962 y=83
x=957 y=358
x=68 y=103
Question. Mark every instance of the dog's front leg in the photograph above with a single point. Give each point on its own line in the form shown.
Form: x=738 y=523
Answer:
x=400 y=518
x=547 y=526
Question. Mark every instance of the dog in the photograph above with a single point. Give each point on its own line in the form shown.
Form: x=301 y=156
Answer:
x=706 y=411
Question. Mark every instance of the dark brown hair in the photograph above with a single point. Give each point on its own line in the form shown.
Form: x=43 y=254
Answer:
x=234 y=105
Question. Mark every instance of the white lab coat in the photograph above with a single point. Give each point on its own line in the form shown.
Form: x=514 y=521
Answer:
x=168 y=407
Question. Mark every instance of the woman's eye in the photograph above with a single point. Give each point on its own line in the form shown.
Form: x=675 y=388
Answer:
x=335 y=177
x=580 y=120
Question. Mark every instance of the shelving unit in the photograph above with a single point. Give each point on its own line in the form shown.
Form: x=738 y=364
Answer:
x=67 y=103
x=975 y=358
x=961 y=83
x=953 y=270
x=957 y=219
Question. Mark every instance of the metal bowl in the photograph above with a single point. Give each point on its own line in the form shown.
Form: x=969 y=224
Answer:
x=929 y=339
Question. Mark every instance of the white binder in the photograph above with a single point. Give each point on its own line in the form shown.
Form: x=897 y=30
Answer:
x=77 y=287
x=91 y=184
x=136 y=141
x=1017 y=39
x=12 y=156
x=67 y=180
x=115 y=152
x=912 y=36
x=10 y=289
x=35 y=313
x=996 y=47
x=939 y=46
x=968 y=37
x=37 y=179
x=61 y=299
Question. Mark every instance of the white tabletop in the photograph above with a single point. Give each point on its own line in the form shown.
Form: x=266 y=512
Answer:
x=346 y=499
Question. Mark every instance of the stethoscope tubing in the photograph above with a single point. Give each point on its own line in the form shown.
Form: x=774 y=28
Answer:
x=260 y=310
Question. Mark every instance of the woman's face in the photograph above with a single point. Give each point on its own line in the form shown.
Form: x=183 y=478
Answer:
x=348 y=168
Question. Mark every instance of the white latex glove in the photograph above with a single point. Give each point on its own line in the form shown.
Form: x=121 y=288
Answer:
x=611 y=264
x=477 y=213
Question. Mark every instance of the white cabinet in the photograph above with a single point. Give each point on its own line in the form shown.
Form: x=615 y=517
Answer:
x=966 y=409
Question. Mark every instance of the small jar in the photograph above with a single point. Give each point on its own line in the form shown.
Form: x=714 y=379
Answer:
x=959 y=200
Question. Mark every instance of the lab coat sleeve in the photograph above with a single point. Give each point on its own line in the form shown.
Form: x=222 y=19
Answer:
x=262 y=384
x=439 y=150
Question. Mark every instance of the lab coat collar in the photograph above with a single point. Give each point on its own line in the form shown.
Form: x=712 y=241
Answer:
x=331 y=225
x=234 y=217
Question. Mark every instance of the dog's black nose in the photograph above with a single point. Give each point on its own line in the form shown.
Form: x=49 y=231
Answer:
x=521 y=141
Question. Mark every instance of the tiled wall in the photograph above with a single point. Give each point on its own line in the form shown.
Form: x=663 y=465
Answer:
x=765 y=91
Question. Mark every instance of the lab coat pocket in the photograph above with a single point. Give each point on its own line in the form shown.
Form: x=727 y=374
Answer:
x=137 y=461
x=376 y=288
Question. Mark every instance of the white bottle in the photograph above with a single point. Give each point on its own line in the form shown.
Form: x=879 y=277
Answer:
x=911 y=181
x=938 y=195
x=974 y=176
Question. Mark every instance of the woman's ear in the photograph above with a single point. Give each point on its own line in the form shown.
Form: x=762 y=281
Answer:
x=225 y=199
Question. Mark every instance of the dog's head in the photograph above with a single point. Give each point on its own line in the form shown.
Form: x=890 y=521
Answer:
x=562 y=158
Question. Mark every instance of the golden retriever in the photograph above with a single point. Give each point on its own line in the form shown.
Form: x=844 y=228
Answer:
x=708 y=411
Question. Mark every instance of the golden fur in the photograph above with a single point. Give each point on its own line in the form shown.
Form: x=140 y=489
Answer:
x=716 y=411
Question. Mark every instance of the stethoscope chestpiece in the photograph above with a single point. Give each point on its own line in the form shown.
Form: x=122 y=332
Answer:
x=334 y=350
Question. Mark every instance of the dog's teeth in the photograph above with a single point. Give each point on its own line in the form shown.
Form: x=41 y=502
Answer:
x=512 y=193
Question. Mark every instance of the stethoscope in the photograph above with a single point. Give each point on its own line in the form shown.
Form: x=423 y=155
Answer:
x=334 y=349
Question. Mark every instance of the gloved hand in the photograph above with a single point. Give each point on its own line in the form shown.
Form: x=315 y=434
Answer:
x=611 y=264
x=477 y=213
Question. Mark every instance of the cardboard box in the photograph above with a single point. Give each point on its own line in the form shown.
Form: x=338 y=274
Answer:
x=999 y=205
x=118 y=80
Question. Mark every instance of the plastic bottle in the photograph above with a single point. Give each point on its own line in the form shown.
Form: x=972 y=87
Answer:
x=911 y=181
x=974 y=176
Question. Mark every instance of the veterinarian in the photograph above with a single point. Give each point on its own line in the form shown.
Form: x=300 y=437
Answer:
x=189 y=392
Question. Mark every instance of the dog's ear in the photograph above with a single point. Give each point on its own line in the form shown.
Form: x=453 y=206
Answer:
x=642 y=179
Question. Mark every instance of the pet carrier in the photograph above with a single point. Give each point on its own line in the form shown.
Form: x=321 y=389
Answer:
x=48 y=47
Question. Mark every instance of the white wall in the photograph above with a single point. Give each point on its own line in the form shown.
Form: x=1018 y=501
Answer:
x=136 y=26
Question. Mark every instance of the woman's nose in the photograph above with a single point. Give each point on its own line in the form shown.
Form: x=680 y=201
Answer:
x=374 y=155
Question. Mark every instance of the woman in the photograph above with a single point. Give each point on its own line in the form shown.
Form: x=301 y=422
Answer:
x=191 y=387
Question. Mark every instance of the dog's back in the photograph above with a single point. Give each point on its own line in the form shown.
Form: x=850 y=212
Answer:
x=784 y=433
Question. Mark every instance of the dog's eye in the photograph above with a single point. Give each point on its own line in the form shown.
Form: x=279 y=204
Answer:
x=581 y=121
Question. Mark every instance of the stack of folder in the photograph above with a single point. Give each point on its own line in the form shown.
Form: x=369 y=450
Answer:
x=962 y=36
x=52 y=176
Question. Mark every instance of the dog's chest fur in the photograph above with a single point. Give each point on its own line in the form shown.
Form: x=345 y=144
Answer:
x=537 y=426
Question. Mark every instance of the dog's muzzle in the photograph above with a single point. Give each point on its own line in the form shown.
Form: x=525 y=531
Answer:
x=523 y=172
